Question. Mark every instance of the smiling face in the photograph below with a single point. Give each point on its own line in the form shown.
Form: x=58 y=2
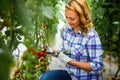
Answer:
x=78 y=16
x=72 y=18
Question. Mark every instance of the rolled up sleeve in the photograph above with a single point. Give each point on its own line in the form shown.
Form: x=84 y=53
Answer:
x=95 y=51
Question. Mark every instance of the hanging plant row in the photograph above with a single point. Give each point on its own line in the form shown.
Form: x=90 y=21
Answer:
x=32 y=23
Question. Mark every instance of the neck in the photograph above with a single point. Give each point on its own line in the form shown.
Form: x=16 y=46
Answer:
x=76 y=29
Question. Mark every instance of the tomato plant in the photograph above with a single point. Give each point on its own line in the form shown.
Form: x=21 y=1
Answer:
x=30 y=22
x=31 y=67
x=106 y=18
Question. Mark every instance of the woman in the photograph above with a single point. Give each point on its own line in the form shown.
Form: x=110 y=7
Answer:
x=82 y=42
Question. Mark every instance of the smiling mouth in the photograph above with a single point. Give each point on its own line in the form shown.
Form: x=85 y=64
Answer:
x=71 y=24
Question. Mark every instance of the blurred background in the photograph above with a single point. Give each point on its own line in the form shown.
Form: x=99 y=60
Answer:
x=28 y=26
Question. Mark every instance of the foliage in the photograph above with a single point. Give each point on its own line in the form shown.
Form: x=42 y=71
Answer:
x=6 y=61
x=34 y=22
x=31 y=22
x=106 y=18
x=33 y=64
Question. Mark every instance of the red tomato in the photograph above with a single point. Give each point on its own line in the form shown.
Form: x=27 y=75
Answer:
x=44 y=55
x=44 y=48
x=40 y=54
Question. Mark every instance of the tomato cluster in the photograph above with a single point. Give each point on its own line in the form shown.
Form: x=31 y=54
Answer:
x=33 y=64
x=41 y=54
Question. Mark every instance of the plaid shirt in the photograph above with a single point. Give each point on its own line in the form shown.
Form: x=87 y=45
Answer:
x=83 y=49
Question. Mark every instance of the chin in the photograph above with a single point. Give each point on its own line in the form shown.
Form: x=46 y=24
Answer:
x=72 y=26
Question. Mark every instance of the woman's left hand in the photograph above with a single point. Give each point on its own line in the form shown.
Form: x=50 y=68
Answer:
x=64 y=58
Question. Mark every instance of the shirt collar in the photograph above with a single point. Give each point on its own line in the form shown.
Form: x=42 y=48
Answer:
x=71 y=29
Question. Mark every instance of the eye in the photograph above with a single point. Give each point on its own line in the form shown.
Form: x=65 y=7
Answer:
x=72 y=19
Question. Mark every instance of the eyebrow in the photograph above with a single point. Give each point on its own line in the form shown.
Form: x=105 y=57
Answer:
x=70 y=17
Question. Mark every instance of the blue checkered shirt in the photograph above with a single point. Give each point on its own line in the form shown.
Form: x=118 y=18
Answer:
x=83 y=49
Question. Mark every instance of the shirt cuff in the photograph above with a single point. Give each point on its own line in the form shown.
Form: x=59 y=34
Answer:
x=93 y=66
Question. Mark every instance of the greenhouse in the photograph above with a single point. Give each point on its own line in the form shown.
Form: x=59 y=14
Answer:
x=32 y=39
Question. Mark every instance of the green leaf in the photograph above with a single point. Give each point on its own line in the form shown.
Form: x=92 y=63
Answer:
x=47 y=11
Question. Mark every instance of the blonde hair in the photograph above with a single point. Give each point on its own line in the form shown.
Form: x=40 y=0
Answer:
x=82 y=9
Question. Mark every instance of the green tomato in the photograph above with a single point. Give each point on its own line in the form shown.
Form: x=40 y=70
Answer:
x=22 y=67
x=27 y=64
x=115 y=38
x=32 y=58
x=29 y=76
x=25 y=56
x=113 y=46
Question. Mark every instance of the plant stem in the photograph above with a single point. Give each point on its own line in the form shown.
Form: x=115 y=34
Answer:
x=117 y=72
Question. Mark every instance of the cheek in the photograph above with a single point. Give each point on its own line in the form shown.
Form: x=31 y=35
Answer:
x=69 y=21
x=77 y=22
